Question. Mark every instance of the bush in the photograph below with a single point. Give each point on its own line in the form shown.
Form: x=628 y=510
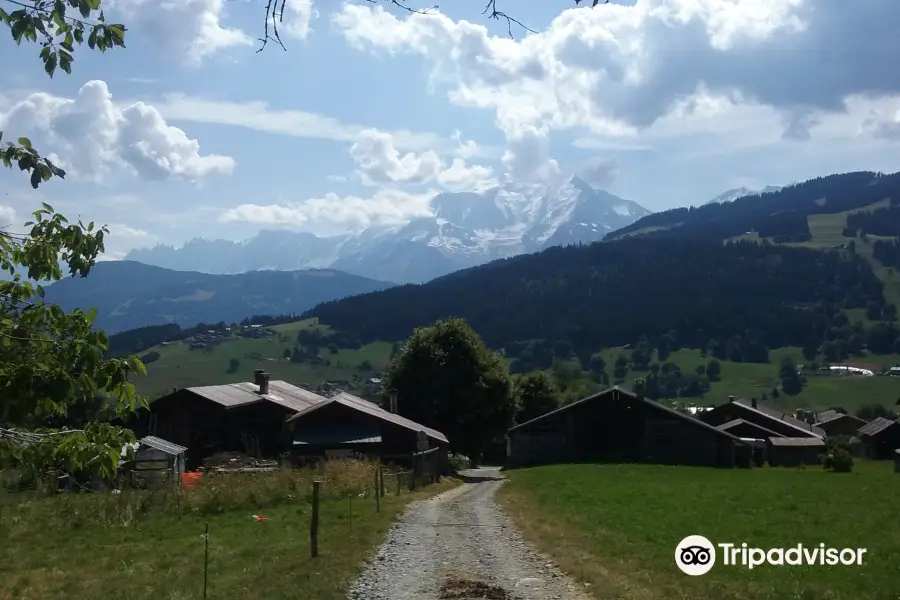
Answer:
x=150 y=357
x=837 y=457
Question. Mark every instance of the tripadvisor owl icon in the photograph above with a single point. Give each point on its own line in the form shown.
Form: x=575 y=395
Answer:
x=695 y=555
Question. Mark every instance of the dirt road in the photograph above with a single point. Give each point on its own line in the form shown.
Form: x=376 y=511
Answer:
x=460 y=546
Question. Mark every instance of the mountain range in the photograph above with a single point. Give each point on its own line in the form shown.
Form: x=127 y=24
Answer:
x=129 y=294
x=466 y=229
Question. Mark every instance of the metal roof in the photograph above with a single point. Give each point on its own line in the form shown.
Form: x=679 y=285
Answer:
x=736 y=422
x=338 y=433
x=876 y=426
x=835 y=416
x=232 y=395
x=796 y=441
x=163 y=445
x=772 y=413
x=827 y=415
x=649 y=402
x=372 y=409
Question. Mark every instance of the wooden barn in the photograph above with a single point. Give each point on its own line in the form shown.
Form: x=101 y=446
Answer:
x=240 y=417
x=768 y=418
x=347 y=423
x=835 y=424
x=617 y=425
x=794 y=451
x=880 y=438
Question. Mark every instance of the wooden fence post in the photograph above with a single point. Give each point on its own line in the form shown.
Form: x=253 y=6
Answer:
x=397 y=474
x=377 y=493
x=314 y=522
x=381 y=480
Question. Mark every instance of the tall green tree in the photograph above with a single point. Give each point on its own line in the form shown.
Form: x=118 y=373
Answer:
x=446 y=378
x=535 y=395
x=52 y=364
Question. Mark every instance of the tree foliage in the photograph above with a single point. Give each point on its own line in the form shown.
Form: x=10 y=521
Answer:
x=446 y=378
x=52 y=363
x=535 y=395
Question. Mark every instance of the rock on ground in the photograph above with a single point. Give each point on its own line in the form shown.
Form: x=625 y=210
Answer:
x=460 y=546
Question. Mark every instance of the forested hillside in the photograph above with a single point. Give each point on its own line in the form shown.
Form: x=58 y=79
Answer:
x=743 y=294
x=781 y=215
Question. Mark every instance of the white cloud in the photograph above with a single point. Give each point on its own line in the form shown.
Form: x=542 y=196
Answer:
x=297 y=123
x=379 y=162
x=298 y=14
x=618 y=69
x=7 y=216
x=385 y=207
x=189 y=30
x=92 y=136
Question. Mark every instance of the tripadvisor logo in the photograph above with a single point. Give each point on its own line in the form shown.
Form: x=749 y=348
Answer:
x=696 y=555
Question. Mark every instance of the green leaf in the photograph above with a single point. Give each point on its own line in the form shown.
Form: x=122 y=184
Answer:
x=50 y=64
x=24 y=141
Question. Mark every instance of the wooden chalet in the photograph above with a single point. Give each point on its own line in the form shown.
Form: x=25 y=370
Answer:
x=880 y=438
x=617 y=425
x=768 y=418
x=835 y=424
x=345 y=423
x=235 y=417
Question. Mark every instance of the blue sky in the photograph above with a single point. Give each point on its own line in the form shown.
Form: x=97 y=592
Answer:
x=371 y=111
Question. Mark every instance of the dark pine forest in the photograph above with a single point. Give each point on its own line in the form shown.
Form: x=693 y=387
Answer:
x=741 y=297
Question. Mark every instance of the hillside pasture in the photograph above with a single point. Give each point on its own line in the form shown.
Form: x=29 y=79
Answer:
x=180 y=366
x=748 y=380
x=617 y=526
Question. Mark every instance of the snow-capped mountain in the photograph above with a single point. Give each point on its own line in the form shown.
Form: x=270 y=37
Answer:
x=734 y=194
x=466 y=229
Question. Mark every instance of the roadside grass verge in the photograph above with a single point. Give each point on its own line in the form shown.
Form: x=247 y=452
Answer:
x=616 y=527
x=150 y=545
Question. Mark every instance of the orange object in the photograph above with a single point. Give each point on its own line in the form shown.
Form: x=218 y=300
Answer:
x=188 y=480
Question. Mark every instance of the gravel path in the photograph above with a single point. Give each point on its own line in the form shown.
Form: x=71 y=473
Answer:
x=460 y=546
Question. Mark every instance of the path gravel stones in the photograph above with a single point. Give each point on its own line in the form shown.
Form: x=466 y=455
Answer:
x=460 y=546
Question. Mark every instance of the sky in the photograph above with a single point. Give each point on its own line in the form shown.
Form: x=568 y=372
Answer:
x=371 y=110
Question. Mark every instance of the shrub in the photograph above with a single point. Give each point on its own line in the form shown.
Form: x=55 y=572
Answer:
x=150 y=357
x=837 y=457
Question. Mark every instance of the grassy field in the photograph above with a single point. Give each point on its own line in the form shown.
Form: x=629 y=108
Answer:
x=747 y=380
x=616 y=527
x=96 y=546
x=179 y=366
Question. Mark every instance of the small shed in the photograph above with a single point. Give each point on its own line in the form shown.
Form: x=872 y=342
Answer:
x=794 y=451
x=156 y=460
x=880 y=438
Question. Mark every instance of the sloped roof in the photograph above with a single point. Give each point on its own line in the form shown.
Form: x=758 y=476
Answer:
x=787 y=419
x=232 y=395
x=798 y=441
x=162 y=445
x=337 y=433
x=836 y=416
x=876 y=426
x=372 y=409
x=649 y=402
x=736 y=422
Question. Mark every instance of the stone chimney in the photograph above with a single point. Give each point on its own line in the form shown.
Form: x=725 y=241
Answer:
x=392 y=401
x=263 y=382
x=754 y=403
x=257 y=375
x=731 y=398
